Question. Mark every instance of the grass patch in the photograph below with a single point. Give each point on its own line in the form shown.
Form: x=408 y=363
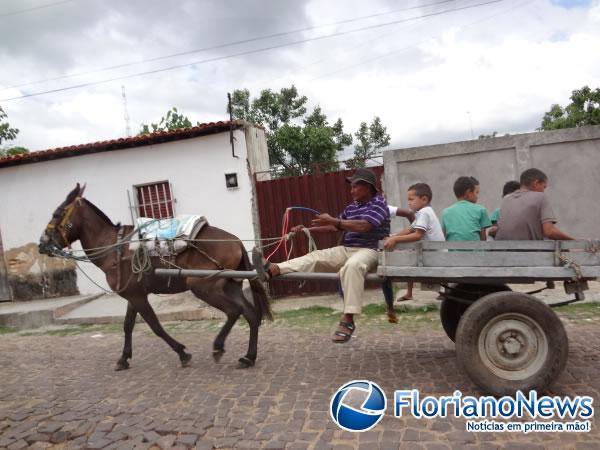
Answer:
x=585 y=311
x=7 y=330
x=303 y=313
x=378 y=309
x=373 y=316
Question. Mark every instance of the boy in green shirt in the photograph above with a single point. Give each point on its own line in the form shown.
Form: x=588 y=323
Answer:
x=465 y=220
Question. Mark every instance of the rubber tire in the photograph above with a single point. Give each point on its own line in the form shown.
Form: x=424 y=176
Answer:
x=490 y=306
x=451 y=311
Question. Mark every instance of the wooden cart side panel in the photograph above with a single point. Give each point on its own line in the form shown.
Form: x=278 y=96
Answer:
x=500 y=274
x=503 y=245
x=489 y=259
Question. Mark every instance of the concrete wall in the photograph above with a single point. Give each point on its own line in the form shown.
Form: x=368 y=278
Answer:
x=570 y=158
x=195 y=168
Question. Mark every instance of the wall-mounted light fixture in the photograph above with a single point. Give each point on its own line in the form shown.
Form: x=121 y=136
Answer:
x=231 y=180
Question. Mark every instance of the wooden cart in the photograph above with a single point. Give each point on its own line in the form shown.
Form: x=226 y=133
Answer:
x=505 y=341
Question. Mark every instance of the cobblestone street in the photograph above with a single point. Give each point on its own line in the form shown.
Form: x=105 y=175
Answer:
x=62 y=391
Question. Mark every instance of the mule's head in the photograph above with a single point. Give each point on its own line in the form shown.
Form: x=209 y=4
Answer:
x=63 y=228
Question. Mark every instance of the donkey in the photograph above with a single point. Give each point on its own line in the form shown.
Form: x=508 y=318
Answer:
x=78 y=219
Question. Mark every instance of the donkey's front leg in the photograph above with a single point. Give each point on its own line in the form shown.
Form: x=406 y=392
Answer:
x=143 y=307
x=128 y=325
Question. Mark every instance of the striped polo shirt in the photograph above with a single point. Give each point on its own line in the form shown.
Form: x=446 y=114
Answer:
x=376 y=212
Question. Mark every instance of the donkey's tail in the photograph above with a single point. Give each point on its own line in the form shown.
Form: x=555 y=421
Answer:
x=261 y=299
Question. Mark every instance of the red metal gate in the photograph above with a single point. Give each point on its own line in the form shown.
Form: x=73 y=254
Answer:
x=325 y=192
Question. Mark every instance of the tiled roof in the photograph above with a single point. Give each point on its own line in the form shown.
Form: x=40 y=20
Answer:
x=122 y=143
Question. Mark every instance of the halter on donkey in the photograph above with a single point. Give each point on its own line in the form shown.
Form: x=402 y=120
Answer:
x=104 y=245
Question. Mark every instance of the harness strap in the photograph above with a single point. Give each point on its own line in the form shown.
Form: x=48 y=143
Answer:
x=120 y=234
x=207 y=256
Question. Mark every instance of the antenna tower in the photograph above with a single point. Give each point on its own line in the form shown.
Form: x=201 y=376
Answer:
x=125 y=112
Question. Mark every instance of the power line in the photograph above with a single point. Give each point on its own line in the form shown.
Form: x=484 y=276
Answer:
x=35 y=8
x=221 y=46
x=249 y=52
x=403 y=49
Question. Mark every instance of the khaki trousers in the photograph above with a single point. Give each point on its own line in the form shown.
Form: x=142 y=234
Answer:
x=352 y=263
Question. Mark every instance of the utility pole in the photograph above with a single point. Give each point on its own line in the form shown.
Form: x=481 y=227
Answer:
x=471 y=124
x=125 y=112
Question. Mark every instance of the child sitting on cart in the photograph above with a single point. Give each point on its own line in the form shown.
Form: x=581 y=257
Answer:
x=465 y=220
x=426 y=225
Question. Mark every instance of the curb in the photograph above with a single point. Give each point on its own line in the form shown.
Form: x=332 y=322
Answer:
x=36 y=319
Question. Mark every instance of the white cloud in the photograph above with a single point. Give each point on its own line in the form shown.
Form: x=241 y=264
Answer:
x=505 y=63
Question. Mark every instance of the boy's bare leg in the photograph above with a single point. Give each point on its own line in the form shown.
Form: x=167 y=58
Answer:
x=409 y=292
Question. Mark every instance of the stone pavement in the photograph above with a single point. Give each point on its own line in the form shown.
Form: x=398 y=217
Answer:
x=61 y=391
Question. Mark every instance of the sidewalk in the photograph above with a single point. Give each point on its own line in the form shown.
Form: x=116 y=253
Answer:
x=102 y=309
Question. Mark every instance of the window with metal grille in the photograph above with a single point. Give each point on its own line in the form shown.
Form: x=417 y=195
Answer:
x=155 y=200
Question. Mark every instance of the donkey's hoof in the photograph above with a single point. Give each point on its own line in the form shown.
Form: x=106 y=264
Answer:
x=218 y=354
x=245 y=362
x=185 y=359
x=122 y=364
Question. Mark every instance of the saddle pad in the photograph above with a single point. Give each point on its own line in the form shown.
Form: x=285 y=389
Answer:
x=185 y=226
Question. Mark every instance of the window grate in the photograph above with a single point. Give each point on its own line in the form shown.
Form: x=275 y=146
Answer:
x=155 y=200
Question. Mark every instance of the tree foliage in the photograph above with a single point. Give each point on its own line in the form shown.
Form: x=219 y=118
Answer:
x=7 y=133
x=584 y=109
x=370 y=138
x=172 y=121
x=296 y=142
x=12 y=151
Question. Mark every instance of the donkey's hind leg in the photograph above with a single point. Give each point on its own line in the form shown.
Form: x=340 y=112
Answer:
x=128 y=325
x=140 y=303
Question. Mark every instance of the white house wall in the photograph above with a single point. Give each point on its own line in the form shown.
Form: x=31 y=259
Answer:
x=195 y=168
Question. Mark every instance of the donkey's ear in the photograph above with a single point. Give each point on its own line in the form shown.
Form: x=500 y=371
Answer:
x=73 y=194
x=81 y=190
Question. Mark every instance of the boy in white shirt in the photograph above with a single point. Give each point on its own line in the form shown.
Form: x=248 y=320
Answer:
x=426 y=225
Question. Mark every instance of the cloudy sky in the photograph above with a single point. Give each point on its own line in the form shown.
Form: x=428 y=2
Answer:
x=434 y=70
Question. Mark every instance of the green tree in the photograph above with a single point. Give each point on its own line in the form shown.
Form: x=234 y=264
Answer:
x=12 y=151
x=172 y=121
x=296 y=141
x=584 y=109
x=370 y=139
x=7 y=133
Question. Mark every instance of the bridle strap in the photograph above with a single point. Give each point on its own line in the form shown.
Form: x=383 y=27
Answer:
x=64 y=222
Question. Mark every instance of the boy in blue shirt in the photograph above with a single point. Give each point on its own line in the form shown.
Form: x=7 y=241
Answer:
x=465 y=220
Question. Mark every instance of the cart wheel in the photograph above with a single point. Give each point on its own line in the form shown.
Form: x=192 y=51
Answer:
x=510 y=341
x=451 y=310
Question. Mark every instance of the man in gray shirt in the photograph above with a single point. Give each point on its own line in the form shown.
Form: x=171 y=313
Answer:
x=526 y=214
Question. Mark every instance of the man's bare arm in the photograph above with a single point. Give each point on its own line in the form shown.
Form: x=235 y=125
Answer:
x=551 y=231
x=407 y=213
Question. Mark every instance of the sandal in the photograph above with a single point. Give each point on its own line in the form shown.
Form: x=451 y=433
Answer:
x=392 y=317
x=261 y=265
x=341 y=336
